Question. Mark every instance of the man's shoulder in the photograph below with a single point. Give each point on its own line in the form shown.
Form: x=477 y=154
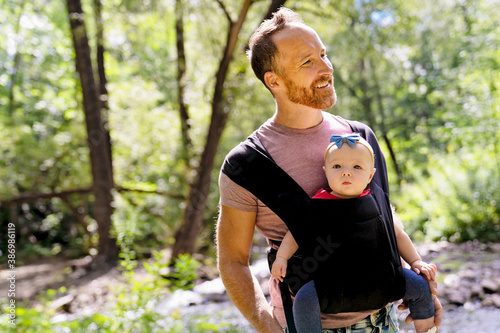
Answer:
x=356 y=126
x=232 y=162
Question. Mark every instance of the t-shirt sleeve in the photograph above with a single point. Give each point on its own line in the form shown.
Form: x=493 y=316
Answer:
x=234 y=196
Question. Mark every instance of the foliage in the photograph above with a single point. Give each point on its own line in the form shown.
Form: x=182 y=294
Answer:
x=423 y=74
x=460 y=202
x=132 y=306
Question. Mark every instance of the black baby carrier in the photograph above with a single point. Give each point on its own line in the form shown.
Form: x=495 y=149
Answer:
x=348 y=247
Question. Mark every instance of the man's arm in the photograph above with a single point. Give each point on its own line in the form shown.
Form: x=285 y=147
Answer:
x=235 y=229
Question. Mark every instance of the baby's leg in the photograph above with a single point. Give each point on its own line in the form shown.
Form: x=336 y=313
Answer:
x=306 y=310
x=420 y=301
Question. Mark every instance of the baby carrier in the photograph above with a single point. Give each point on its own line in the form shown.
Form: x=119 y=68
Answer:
x=348 y=247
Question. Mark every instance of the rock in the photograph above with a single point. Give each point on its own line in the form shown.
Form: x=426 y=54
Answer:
x=492 y=247
x=477 y=292
x=179 y=299
x=452 y=280
x=491 y=300
x=213 y=291
x=458 y=296
x=468 y=274
x=210 y=287
x=63 y=302
x=491 y=286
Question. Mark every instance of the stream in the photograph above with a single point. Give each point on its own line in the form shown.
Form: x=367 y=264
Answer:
x=469 y=285
x=460 y=320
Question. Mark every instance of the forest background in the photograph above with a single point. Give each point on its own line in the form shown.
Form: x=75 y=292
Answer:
x=116 y=115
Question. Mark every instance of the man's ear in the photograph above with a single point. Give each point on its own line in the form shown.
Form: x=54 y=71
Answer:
x=271 y=80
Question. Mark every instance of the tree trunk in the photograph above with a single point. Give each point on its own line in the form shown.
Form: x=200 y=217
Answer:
x=387 y=141
x=99 y=157
x=383 y=128
x=193 y=215
x=368 y=108
x=181 y=71
x=103 y=90
x=273 y=7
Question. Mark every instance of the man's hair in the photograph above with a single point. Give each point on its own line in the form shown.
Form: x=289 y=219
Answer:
x=262 y=51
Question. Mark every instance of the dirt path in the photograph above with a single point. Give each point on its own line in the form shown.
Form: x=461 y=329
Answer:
x=53 y=273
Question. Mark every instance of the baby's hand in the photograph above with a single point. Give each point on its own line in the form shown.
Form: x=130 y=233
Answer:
x=425 y=269
x=279 y=268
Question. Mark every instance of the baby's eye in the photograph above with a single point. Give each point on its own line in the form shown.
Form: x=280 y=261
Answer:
x=357 y=167
x=337 y=166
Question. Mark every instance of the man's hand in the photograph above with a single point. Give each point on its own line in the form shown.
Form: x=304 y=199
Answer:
x=438 y=311
x=431 y=279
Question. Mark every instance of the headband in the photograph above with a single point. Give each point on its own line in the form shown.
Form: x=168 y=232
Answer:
x=351 y=140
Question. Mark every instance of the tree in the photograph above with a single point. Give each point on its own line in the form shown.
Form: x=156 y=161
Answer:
x=181 y=85
x=423 y=74
x=193 y=216
x=97 y=138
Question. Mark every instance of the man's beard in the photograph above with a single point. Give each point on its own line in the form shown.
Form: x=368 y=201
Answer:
x=310 y=96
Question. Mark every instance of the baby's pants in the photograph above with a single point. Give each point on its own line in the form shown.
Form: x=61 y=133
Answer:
x=307 y=315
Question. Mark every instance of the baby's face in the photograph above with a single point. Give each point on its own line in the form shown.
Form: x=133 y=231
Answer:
x=348 y=169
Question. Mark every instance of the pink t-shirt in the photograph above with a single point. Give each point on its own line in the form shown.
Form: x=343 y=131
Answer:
x=300 y=153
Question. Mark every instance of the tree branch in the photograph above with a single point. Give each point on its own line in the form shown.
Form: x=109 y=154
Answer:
x=145 y=209
x=273 y=7
x=166 y=194
x=221 y=4
x=79 y=216
x=30 y=196
x=33 y=196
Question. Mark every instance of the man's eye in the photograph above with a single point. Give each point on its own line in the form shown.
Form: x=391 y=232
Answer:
x=306 y=63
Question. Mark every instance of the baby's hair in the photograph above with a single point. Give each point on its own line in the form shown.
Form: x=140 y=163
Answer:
x=360 y=140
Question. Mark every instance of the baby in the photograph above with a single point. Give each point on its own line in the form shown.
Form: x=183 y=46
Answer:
x=349 y=169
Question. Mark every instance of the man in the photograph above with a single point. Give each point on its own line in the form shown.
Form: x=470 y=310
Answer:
x=290 y=59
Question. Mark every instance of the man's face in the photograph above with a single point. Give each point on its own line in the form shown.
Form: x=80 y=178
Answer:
x=304 y=67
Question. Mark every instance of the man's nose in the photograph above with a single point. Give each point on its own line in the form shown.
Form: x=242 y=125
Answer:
x=327 y=68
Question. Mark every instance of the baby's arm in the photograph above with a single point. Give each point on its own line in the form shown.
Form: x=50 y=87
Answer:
x=286 y=250
x=410 y=255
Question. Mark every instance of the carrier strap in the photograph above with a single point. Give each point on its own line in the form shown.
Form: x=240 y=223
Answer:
x=251 y=166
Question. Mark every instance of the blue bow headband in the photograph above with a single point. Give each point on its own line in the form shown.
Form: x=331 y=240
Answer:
x=351 y=139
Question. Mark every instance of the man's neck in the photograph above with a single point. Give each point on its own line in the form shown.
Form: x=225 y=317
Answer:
x=298 y=116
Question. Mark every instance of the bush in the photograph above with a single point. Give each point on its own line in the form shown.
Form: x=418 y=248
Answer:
x=458 y=201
